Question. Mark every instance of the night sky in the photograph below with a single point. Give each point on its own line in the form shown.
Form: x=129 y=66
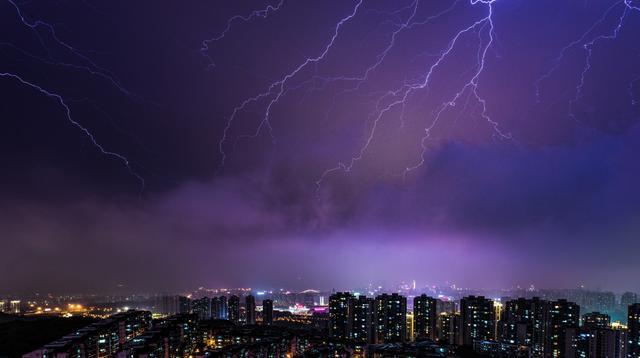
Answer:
x=487 y=143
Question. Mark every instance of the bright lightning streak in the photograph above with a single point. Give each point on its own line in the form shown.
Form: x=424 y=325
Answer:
x=588 y=46
x=558 y=60
x=67 y=111
x=90 y=66
x=262 y=13
x=406 y=91
x=277 y=89
x=406 y=25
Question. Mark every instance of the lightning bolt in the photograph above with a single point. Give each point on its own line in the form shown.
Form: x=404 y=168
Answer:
x=87 y=65
x=261 y=13
x=67 y=112
x=276 y=90
x=408 y=24
x=90 y=66
x=558 y=60
x=588 y=47
x=404 y=93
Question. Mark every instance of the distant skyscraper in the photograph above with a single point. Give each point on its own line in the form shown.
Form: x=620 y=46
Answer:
x=250 y=306
x=562 y=328
x=627 y=299
x=340 y=305
x=15 y=307
x=219 y=308
x=362 y=320
x=184 y=304
x=424 y=317
x=267 y=312
x=224 y=308
x=390 y=318
x=633 y=326
x=202 y=308
x=478 y=319
x=215 y=307
x=234 y=309
x=170 y=305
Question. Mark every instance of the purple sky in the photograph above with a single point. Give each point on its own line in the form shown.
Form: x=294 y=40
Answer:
x=319 y=144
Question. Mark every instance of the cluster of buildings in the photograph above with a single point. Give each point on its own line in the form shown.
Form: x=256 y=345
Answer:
x=527 y=327
x=221 y=308
x=10 y=306
x=101 y=339
x=387 y=325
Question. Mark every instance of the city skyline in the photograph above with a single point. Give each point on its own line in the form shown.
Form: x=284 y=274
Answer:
x=158 y=147
x=343 y=324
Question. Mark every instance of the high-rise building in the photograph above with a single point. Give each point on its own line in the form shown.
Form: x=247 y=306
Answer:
x=340 y=317
x=523 y=323
x=184 y=304
x=448 y=328
x=170 y=305
x=478 y=319
x=224 y=308
x=234 y=309
x=601 y=343
x=561 y=329
x=390 y=318
x=202 y=308
x=250 y=307
x=219 y=308
x=267 y=312
x=409 y=336
x=424 y=317
x=215 y=307
x=362 y=324
x=633 y=327
x=622 y=342
x=595 y=320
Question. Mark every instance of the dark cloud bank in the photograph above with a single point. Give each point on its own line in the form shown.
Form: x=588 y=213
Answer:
x=561 y=196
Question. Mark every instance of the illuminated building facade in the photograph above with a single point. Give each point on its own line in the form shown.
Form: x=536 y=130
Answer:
x=523 y=323
x=234 y=309
x=362 y=320
x=390 y=318
x=561 y=328
x=424 y=317
x=340 y=306
x=595 y=320
x=478 y=319
x=267 y=312
x=219 y=308
x=633 y=326
x=449 y=328
x=99 y=340
x=250 y=307
x=202 y=308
